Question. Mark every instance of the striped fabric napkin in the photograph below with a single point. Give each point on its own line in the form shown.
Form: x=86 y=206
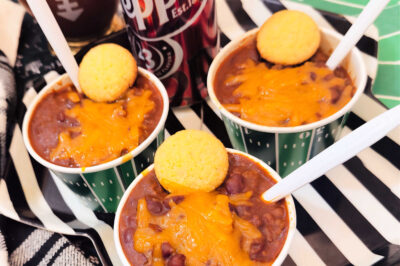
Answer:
x=3 y=251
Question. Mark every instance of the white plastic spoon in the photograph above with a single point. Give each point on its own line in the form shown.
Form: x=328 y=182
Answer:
x=336 y=154
x=367 y=16
x=54 y=35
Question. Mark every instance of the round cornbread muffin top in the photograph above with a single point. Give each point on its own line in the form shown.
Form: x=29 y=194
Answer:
x=288 y=37
x=191 y=160
x=106 y=72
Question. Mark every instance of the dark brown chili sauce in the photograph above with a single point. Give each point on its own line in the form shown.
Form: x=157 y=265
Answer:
x=244 y=175
x=233 y=65
x=49 y=119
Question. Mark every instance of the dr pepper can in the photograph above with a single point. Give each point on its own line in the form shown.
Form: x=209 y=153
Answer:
x=176 y=40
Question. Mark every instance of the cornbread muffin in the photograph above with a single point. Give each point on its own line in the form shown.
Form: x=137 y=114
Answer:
x=106 y=72
x=288 y=37
x=191 y=160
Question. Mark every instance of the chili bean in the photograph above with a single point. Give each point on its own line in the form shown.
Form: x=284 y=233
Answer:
x=252 y=181
x=278 y=212
x=267 y=233
x=268 y=218
x=131 y=221
x=154 y=205
x=127 y=235
x=124 y=151
x=340 y=72
x=177 y=199
x=329 y=77
x=155 y=227
x=255 y=220
x=74 y=134
x=256 y=247
x=335 y=92
x=234 y=184
x=313 y=76
x=243 y=211
x=140 y=259
x=166 y=250
x=176 y=260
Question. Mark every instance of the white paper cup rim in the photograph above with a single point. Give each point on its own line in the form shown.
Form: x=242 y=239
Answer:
x=288 y=199
x=118 y=161
x=232 y=46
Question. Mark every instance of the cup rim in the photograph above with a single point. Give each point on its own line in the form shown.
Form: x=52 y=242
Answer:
x=231 y=46
x=96 y=168
x=289 y=204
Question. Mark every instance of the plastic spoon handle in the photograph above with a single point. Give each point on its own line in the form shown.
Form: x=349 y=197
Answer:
x=336 y=154
x=54 y=35
x=367 y=16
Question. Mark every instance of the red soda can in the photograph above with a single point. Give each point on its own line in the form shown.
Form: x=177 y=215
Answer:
x=176 y=40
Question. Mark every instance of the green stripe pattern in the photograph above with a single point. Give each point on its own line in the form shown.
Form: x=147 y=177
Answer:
x=101 y=191
x=284 y=152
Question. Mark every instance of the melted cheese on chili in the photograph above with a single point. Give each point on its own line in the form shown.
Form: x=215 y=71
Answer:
x=287 y=97
x=105 y=129
x=201 y=227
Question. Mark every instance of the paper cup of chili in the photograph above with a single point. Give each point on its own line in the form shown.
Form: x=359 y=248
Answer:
x=96 y=149
x=258 y=109
x=247 y=231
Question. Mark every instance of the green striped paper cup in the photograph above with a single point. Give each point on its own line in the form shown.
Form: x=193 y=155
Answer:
x=287 y=148
x=101 y=187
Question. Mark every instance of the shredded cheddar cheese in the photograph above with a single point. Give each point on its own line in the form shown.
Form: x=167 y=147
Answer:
x=201 y=227
x=287 y=97
x=105 y=129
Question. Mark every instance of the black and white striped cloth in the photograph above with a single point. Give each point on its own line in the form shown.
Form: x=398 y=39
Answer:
x=351 y=215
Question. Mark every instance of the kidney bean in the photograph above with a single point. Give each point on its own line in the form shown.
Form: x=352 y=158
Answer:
x=278 y=212
x=256 y=247
x=268 y=218
x=154 y=205
x=329 y=77
x=131 y=221
x=166 y=250
x=340 y=72
x=234 y=184
x=155 y=227
x=124 y=151
x=127 y=235
x=74 y=134
x=177 y=199
x=267 y=233
x=335 y=92
x=243 y=211
x=255 y=220
x=140 y=259
x=176 y=260
x=313 y=76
